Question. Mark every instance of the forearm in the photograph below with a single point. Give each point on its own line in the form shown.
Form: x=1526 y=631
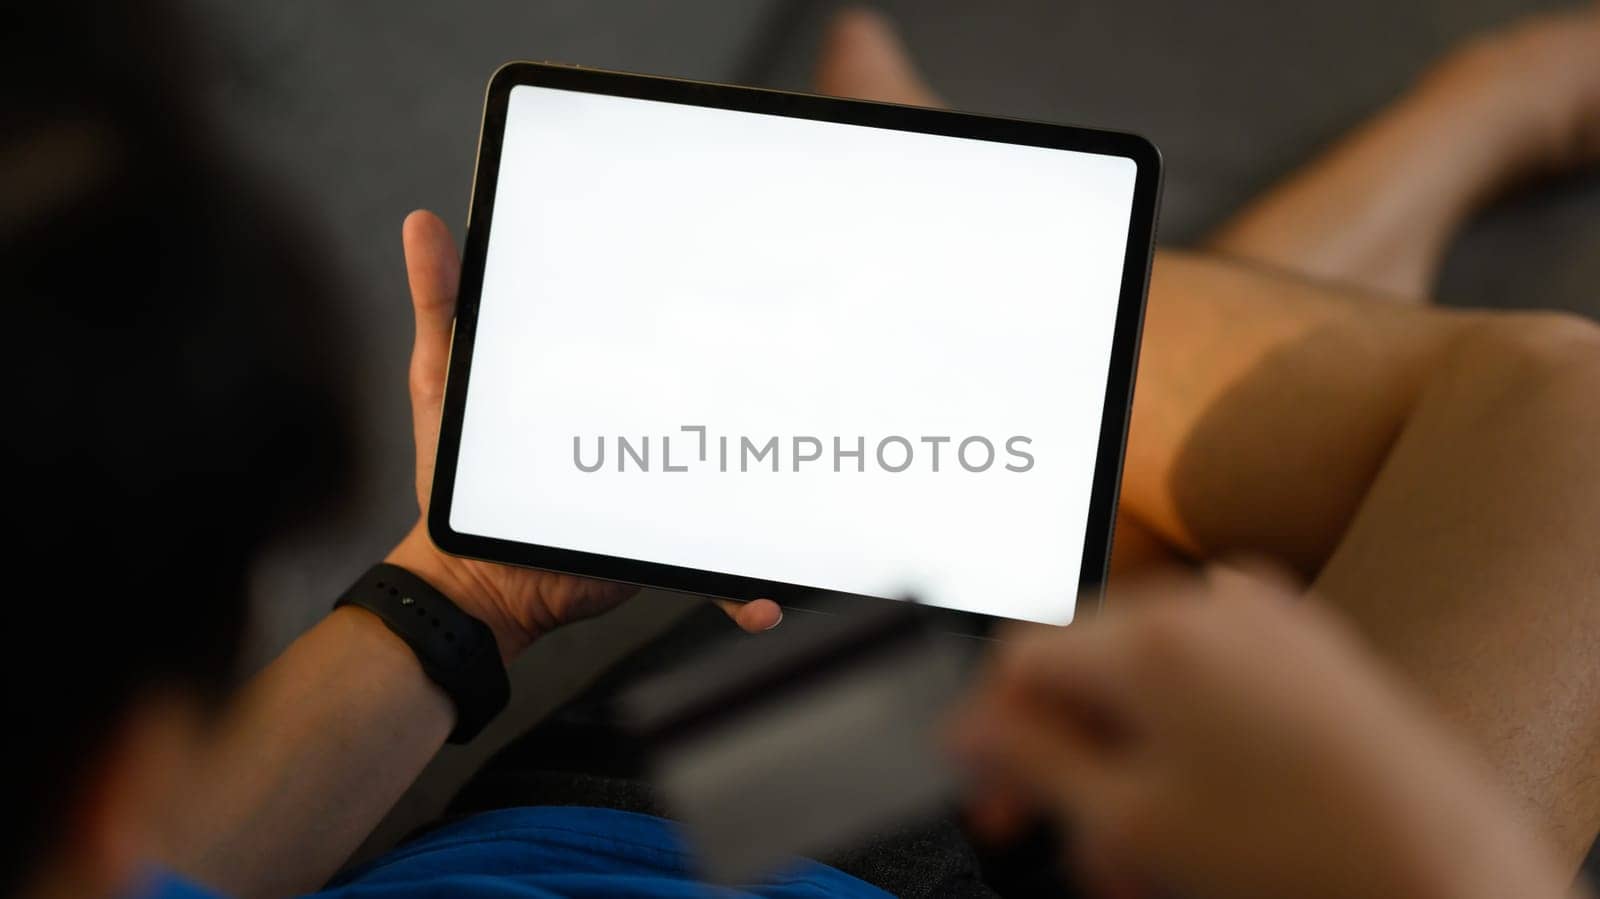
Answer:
x=313 y=753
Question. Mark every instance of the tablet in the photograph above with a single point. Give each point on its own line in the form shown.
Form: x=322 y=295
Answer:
x=746 y=343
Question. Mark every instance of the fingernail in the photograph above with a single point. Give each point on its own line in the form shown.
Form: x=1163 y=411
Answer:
x=776 y=622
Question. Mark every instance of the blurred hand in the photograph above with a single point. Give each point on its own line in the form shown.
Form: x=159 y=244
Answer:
x=1224 y=737
x=518 y=604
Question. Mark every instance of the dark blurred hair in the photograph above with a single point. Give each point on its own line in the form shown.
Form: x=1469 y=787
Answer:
x=172 y=398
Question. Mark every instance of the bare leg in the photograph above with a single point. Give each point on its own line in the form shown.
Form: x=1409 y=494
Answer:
x=1470 y=560
x=1433 y=474
x=1427 y=468
x=1379 y=208
x=1375 y=213
x=862 y=58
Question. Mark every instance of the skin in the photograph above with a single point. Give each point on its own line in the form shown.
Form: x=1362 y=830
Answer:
x=1218 y=737
x=517 y=603
x=1498 y=132
x=1416 y=416
x=1296 y=401
x=290 y=774
x=1418 y=468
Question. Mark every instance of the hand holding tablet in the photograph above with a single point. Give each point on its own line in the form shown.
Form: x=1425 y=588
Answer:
x=745 y=343
x=518 y=604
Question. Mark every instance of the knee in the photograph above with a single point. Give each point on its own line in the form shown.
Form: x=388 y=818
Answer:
x=1555 y=336
x=1538 y=339
x=1530 y=358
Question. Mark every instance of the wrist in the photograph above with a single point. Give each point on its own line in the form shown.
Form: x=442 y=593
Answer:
x=387 y=659
x=417 y=554
x=454 y=649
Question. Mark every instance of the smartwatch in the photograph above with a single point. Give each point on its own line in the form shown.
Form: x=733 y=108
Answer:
x=456 y=650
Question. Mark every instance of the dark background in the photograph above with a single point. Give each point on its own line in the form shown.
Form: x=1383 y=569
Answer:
x=364 y=110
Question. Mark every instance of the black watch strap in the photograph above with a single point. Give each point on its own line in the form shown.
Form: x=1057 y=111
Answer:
x=457 y=651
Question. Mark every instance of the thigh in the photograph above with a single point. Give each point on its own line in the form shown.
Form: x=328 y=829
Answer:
x=1264 y=406
x=1474 y=560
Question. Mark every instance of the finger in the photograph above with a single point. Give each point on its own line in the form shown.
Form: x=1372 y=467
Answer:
x=1038 y=754
x=1082 y=665
x=754 y=616
x=1251 y=576
x=1098 y=659
x=996 y=813
x=1099 y=870
x=434 y=271
x=862 y=57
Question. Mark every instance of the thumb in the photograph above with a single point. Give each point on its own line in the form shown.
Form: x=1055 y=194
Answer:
x=863 y=57
x=434 y=271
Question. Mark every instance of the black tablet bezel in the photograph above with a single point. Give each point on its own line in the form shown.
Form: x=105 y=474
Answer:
x=1124 y=349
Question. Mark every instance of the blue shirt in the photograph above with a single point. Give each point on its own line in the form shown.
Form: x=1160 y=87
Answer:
x=530 y=853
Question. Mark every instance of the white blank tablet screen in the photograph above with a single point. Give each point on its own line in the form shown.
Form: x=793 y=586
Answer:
x=792 y=350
